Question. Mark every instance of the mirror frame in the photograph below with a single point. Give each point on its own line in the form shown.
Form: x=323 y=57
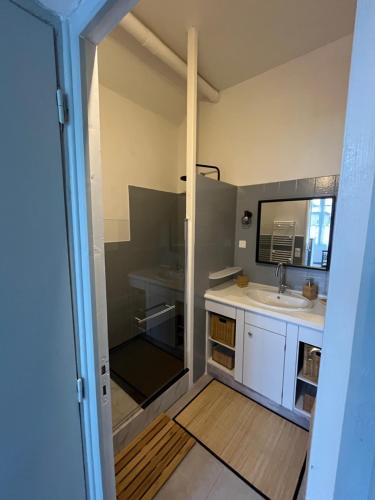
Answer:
x=304 y=198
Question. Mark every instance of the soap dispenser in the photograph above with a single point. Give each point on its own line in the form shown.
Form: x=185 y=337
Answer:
x=310 y=290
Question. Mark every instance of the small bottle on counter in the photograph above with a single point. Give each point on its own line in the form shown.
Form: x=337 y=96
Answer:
x=310 y=290
x=242 y=281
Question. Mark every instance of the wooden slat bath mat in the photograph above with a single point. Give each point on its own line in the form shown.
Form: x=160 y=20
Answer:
x=265 y=449
x=149 y=460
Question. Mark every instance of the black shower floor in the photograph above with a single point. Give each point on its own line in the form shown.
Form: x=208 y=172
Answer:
x=143 y=369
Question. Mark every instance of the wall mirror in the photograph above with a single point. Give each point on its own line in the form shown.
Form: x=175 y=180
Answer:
x=297 y=232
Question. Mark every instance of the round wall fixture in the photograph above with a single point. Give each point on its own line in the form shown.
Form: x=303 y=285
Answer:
x=246 y=218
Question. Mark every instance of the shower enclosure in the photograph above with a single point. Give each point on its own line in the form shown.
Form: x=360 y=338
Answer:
x=145 y=298
x=142 y=134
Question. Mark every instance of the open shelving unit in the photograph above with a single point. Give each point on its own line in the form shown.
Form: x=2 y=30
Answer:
x=306 y=379
x=223 y=368
x=213 y=342
x=305 y=385
x=302 y=389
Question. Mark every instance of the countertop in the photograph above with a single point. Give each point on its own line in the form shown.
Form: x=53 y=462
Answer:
x=230 y=294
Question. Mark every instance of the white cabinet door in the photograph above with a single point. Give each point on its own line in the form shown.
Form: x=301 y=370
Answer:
x=263 y=363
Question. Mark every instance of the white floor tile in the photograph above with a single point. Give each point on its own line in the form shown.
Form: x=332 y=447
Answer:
x=194 y=477
x=229 y=486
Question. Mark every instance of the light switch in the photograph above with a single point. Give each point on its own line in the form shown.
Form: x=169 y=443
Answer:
x=242 y=244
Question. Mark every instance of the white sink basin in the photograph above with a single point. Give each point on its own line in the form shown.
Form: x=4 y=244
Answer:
x=281 y=301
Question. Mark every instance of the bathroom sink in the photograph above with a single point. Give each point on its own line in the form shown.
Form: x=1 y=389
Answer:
x=281 y=301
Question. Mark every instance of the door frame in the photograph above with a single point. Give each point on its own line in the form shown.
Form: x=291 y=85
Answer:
x=343 y=441
x=91 y=21
x=81 y=33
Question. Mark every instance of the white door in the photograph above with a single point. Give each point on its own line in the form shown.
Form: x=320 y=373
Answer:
x=263 y=364
x=41 y=455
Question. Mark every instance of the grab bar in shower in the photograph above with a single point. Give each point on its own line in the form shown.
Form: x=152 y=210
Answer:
x=168 y=308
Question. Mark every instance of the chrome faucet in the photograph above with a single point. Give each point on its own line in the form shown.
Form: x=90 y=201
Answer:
x=281 y=274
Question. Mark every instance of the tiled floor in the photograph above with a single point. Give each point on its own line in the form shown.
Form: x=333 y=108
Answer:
x=123 y=406
x=202 y=477
x=148 y=461
x=264 y=448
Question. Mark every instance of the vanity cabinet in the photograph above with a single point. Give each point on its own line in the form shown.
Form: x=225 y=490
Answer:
x=267 y=357
x=263 y=362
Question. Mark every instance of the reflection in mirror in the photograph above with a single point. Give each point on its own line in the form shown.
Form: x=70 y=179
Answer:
x=296 y=232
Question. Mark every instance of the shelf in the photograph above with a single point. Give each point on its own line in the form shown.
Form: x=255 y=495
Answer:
x=306 y=379
x=299 y=407
x=213 y=363
x=222 y=344
x=224 y=273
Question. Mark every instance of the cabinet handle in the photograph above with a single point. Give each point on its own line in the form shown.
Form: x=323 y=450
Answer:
x=249 y=334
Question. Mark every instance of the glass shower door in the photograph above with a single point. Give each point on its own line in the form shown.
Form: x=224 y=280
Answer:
x=151 y=356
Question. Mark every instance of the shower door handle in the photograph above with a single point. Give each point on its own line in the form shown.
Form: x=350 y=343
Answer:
x=168 y=308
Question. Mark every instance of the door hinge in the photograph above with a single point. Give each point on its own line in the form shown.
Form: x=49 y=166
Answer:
x=62 y=107
x=80 y=391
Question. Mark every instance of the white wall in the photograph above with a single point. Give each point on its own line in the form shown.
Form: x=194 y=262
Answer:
x=133 y=72
x=284 y=124
x=139 y=148
x=142 y=114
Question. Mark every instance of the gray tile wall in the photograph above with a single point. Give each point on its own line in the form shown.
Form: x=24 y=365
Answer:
x=214 y=249
x=157 y=238
x=247 y=199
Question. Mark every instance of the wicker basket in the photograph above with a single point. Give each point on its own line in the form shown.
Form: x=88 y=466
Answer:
x=223 y=329
x=223 y=356
x=311 y=362
x=308 y=402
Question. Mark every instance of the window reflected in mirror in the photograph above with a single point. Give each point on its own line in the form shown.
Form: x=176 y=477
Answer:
x=296 y=232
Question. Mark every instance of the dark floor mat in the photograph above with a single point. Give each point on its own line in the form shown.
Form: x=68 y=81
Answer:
x=143 y=369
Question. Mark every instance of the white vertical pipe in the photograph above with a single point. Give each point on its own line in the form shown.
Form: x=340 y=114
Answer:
x=191 y=147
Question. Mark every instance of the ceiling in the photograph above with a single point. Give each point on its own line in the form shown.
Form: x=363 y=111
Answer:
x=239 y=39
